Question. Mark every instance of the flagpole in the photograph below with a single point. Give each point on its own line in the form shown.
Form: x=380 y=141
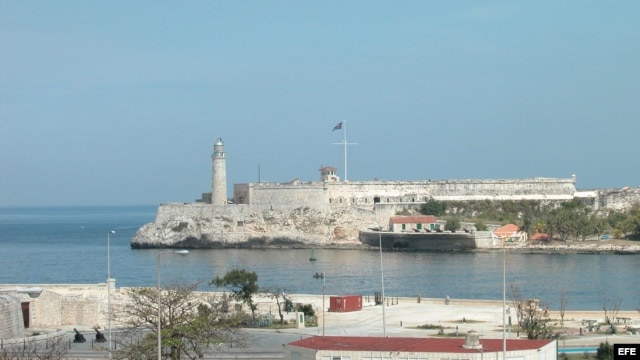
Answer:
x=343 y=126
x=345 y=150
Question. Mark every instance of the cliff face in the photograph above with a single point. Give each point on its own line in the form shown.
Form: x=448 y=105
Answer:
x=209 y=226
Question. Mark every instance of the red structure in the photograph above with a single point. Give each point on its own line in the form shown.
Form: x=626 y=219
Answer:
x=345 y=303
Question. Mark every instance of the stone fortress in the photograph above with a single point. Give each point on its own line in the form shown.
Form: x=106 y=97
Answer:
x=331 y=212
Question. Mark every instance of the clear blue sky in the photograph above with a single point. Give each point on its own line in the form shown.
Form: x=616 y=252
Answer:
x=120 y=102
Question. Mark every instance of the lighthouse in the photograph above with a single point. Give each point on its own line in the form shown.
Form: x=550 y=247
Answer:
x=218 y=174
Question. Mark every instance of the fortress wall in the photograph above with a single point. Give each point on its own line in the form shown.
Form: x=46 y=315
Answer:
x=11 y=325
x=72 y=305
x=366 y=192
x=290 y=196
x=198 y=211
x=277 y=195
x=618 y=200
x=535 y=188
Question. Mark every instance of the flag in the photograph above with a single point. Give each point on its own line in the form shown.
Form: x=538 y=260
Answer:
x=337 y=127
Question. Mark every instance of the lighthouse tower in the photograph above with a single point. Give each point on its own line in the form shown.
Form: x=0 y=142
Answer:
x=219 y=175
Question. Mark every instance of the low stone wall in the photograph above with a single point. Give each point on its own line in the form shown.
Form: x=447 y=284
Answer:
x=11 y=325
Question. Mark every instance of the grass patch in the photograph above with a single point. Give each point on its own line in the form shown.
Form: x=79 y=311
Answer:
x=429 y=327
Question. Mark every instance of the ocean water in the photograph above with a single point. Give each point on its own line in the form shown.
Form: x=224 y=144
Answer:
x=68 y=245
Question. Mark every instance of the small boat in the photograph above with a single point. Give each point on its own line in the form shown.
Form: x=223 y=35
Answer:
x=312 y=257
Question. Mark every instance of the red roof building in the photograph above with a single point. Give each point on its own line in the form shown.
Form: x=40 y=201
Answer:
x=355 y=348
x=412 y=223
x=510 y=233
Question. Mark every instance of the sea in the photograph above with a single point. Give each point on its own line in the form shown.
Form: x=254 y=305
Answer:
x=74 y=245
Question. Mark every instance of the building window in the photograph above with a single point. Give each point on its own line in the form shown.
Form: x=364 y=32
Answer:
x=336 y=357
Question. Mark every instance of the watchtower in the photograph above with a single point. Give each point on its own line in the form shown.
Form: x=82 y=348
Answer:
x=329 y=174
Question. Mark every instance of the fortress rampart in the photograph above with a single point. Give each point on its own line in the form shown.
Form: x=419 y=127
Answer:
x=320 y=195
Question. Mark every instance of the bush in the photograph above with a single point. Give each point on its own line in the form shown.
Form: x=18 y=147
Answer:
x=605 y=351
x=307 y=309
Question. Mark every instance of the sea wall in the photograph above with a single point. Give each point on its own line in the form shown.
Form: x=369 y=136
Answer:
x=431 y=241
x=445 y=241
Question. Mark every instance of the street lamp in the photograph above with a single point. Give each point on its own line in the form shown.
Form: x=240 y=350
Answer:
x=504 y=300
x=109 y=286
x=180 y=252
x=323 y=308
x=384 y=323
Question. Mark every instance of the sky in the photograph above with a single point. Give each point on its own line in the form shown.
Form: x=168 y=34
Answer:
x=120 y=102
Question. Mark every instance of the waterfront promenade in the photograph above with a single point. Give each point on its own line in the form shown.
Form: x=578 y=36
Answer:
x=482 y=316
x=401 y=318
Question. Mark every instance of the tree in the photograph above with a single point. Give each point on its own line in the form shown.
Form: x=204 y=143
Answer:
x=191 y=323
x=604 y=351
x=564 y=299
x=481 y=226
x=242 y=284
x=516 y=303
x=530 y=317
x=278 y=294
x=534 y=323
x=433 y=207
x=452 y=224
x=611 y=306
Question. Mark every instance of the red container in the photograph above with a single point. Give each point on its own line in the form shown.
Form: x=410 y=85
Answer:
x=345 y=303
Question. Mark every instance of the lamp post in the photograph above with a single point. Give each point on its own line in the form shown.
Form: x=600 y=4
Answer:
x=109 y=286
x=323 y=308
x=384 y=323
x=181 y=252
x=504 y=301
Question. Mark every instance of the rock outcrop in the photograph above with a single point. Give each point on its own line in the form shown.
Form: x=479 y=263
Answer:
x=197 y=226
